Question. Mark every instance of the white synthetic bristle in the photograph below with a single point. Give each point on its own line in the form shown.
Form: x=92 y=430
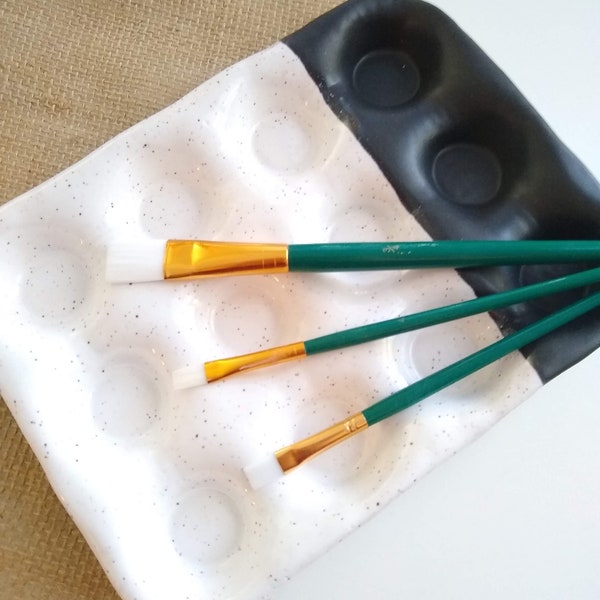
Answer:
x=188 y=377
x=135 y=261
x=263 y=472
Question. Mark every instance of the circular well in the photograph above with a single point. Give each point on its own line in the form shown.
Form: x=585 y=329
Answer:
x=207 y=526
x=467 y=174
x=429 y=350
x=56 y=274
x=247 y=315
x=57 y=285
x=386 y=78
x=283 y=143
x=127 y=397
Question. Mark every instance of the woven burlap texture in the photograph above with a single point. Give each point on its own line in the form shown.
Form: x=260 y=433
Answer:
x=73 y=75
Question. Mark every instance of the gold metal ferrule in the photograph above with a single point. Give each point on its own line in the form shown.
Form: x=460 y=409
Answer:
x=218 y=369
x=193 y=259
x=293 y=456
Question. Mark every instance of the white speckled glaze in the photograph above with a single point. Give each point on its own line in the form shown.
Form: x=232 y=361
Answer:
x=153 y=477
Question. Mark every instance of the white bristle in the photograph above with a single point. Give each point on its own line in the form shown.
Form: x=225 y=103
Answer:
x=135 y=261
x=263 y=472
x=188 y=377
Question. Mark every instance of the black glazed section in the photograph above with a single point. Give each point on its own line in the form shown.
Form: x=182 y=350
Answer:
x=468 y=155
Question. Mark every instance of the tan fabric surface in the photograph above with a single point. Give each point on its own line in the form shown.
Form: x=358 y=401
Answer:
x=72 y=75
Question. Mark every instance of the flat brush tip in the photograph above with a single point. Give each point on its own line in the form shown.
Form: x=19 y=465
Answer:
x=263 y=472
x=135 y=261
x=188 y=377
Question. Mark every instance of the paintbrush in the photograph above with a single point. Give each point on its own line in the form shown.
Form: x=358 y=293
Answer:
x=154 y=260
x=214 y=370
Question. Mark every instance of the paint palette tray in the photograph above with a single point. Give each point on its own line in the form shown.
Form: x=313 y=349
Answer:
x=380 y=121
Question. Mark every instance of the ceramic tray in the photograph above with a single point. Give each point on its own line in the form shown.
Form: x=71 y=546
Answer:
x=380 y=121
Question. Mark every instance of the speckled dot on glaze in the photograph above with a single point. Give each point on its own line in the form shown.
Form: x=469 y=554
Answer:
x=282 y=143
x=207 y=526
x=57 y=287
x=249 y=314
x=163 y=203
x=55 y=281
x=423 y=352
x=220 y=534
x=128 y=396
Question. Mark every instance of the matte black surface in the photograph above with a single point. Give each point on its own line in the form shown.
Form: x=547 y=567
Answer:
x=468 y=155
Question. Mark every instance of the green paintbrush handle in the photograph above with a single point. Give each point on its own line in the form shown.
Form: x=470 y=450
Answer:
x=459 y=370
x=376 y=331
x=447 y=253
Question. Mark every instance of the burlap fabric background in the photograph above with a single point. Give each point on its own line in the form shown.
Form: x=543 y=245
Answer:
x=72 y=75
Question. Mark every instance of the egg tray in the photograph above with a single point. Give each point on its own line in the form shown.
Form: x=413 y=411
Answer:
x=313 y=139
